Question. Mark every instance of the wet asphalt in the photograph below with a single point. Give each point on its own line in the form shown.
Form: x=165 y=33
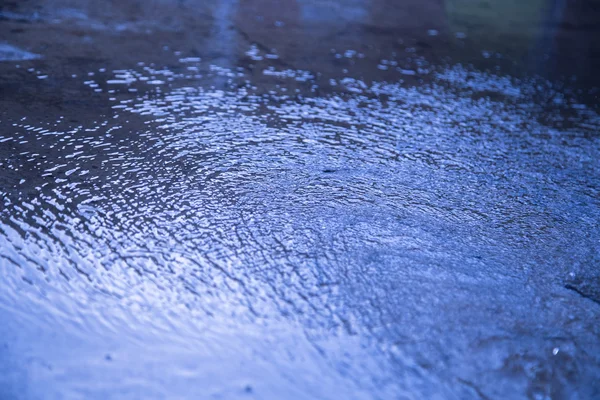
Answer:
x=299 y=199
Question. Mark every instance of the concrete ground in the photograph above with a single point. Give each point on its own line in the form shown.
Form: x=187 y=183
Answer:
x=303 y=199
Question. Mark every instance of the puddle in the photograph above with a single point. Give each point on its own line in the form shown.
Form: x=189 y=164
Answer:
x=246 y=218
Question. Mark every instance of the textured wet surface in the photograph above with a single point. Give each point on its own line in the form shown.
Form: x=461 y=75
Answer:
x=304 y=200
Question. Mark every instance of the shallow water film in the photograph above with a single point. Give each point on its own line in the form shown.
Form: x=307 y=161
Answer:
x=302 y=199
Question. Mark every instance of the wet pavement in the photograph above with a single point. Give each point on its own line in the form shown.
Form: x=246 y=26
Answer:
x=299 y=200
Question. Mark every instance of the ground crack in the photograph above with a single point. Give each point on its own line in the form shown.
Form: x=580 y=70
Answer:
x=583 y=293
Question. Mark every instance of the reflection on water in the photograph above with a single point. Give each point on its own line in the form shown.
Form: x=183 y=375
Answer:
x=305 y=224
x=259 y=220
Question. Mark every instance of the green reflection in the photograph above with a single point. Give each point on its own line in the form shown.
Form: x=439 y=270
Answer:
x=508 y=26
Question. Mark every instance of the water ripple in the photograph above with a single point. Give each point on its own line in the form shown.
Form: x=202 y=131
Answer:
x=349 y=232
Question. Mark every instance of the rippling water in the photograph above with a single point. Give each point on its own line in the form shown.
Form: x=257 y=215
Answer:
x=345 y=239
